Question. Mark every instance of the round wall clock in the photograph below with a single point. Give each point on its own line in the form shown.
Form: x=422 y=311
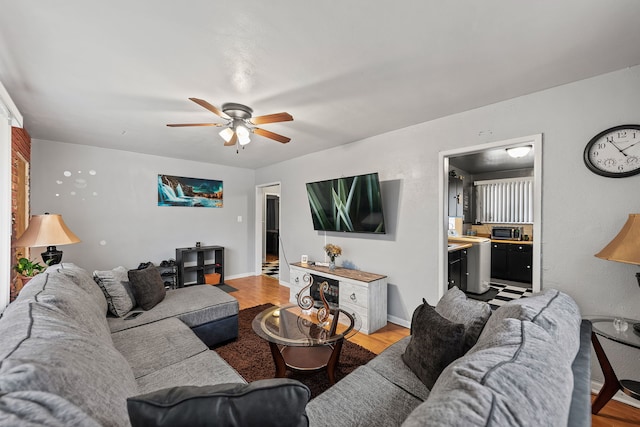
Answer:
x=615 y=152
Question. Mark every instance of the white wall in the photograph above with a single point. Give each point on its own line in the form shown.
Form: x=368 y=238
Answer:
x=581 y=211
x=118 y=206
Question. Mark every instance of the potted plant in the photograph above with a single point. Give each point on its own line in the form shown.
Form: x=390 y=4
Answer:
x=26 y=269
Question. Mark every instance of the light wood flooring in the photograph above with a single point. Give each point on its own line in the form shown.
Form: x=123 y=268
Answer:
x=257 y=290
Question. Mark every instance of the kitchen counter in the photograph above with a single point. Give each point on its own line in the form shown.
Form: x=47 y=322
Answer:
x=513 y=242
x=458 y=246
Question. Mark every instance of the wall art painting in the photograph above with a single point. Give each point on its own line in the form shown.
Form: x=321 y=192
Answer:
x=195 y=192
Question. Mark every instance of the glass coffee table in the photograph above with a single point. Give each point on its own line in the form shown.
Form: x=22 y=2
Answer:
x=299 y=343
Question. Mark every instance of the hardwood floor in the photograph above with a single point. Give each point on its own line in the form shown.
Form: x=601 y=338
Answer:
x=256 y=290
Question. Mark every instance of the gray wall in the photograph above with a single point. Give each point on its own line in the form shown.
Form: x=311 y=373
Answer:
x=581 y=211
x=115 y=211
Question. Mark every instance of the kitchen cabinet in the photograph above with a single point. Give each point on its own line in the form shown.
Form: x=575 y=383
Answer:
x=512 y=261
x=520 y=258
x=458 y=269
x=456 y=198
x=499 y=260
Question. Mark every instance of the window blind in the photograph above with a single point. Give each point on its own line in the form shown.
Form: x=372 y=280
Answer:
x=505 y=200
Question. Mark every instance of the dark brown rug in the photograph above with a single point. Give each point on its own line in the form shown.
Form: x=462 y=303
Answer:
x=251 y=357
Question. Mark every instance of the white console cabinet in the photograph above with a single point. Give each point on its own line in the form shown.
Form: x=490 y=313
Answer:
x=363 y=294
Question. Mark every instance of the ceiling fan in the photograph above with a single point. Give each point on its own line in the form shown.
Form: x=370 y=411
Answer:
x=240 y=123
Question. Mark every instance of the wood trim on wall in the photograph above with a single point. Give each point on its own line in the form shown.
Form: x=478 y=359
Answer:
x=20 y=192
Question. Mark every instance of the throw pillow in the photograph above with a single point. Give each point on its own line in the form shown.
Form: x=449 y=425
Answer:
x=456 y=307
x=116 y=288
x=273 y=402
x=147 y=286
x=435 y=343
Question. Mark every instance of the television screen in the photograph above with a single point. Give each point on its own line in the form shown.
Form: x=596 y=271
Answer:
x=351 y=204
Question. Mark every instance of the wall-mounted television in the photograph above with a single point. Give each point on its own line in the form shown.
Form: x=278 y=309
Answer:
x=351 y=204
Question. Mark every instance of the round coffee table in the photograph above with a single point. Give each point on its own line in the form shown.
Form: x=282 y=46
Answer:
x=299 y=343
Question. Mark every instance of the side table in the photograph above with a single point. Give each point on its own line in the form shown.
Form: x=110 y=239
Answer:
x=603 y=326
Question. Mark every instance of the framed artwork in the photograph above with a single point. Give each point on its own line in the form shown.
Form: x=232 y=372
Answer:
x=194 y=192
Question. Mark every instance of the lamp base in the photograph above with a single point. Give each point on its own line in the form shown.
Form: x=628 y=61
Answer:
x=52 y=256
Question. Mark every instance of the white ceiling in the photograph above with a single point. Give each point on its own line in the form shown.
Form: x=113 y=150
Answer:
x=113 y=73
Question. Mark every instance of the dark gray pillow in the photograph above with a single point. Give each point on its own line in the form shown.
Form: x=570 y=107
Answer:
x=473 y=314
x=273 y=402
x=147 y=287
x=435 y=343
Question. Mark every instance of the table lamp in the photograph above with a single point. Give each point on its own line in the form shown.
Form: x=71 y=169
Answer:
x=47 y=230
x=625 y=247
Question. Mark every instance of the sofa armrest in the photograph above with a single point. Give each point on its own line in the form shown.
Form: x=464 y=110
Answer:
x=580 y=409
x=273 y=402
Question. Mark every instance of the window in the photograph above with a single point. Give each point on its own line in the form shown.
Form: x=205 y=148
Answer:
x=505 y=200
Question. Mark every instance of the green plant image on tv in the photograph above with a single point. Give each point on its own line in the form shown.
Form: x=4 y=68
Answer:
x=352 y=204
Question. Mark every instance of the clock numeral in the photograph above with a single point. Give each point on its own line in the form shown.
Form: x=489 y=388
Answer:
x=622 y=134
x=621 y=168
x=602 y=145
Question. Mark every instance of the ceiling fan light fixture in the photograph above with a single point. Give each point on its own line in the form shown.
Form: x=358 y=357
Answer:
x=243 y=135
x=517 y=152
x=226 y=134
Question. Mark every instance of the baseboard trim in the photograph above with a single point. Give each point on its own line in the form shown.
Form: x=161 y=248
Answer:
x=398 y=321
x=619 y=396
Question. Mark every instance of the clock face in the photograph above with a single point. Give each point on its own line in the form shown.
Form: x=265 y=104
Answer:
x=615 y=152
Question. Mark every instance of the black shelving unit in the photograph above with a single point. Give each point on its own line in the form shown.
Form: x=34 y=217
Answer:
x=193 y=263
x=167 y=269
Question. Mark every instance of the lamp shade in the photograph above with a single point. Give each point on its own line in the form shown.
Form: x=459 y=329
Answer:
x=46 y=230
x=625 y=247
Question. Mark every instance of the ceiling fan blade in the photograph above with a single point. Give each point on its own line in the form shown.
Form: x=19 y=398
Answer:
x=271 y=135
x=271 y=118
x=233 y=140
x=177 y=125
x=214 y=110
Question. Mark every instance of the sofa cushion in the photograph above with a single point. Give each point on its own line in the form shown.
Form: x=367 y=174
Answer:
x=194 y=305
x=147 y=286
x=83 y=279
x=259 y=403
x=516 y=375
x=156 y=345
x=117 y=290
x=435 y=342
x=389 y=364
x=59 y=293
x=204 y=368
x=36 y=409
x=554 y=311
x=362 y=398
x=46 y=350
x=473 y=314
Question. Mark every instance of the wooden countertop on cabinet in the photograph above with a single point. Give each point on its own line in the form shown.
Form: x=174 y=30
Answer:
x=513 y=242
x=458 y=246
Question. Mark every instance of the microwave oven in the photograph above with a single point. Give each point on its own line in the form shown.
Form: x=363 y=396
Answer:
x=507 y=233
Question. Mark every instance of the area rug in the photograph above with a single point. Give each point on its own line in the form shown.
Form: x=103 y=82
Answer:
x=227 y=288
x=251 y=357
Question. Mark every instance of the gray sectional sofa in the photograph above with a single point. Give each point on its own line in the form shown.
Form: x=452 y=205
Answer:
x=63 y=362
x=530 y=366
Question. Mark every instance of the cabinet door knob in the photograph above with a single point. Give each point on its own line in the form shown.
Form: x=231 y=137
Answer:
x=297 y=295
x=353 y=297
x=297 y=279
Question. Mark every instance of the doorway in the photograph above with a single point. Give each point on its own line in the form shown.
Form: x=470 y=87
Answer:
x=486 y=154
x=268 y=230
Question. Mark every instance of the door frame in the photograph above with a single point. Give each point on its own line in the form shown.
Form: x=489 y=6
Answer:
x=443 y=203
x=260 y=209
